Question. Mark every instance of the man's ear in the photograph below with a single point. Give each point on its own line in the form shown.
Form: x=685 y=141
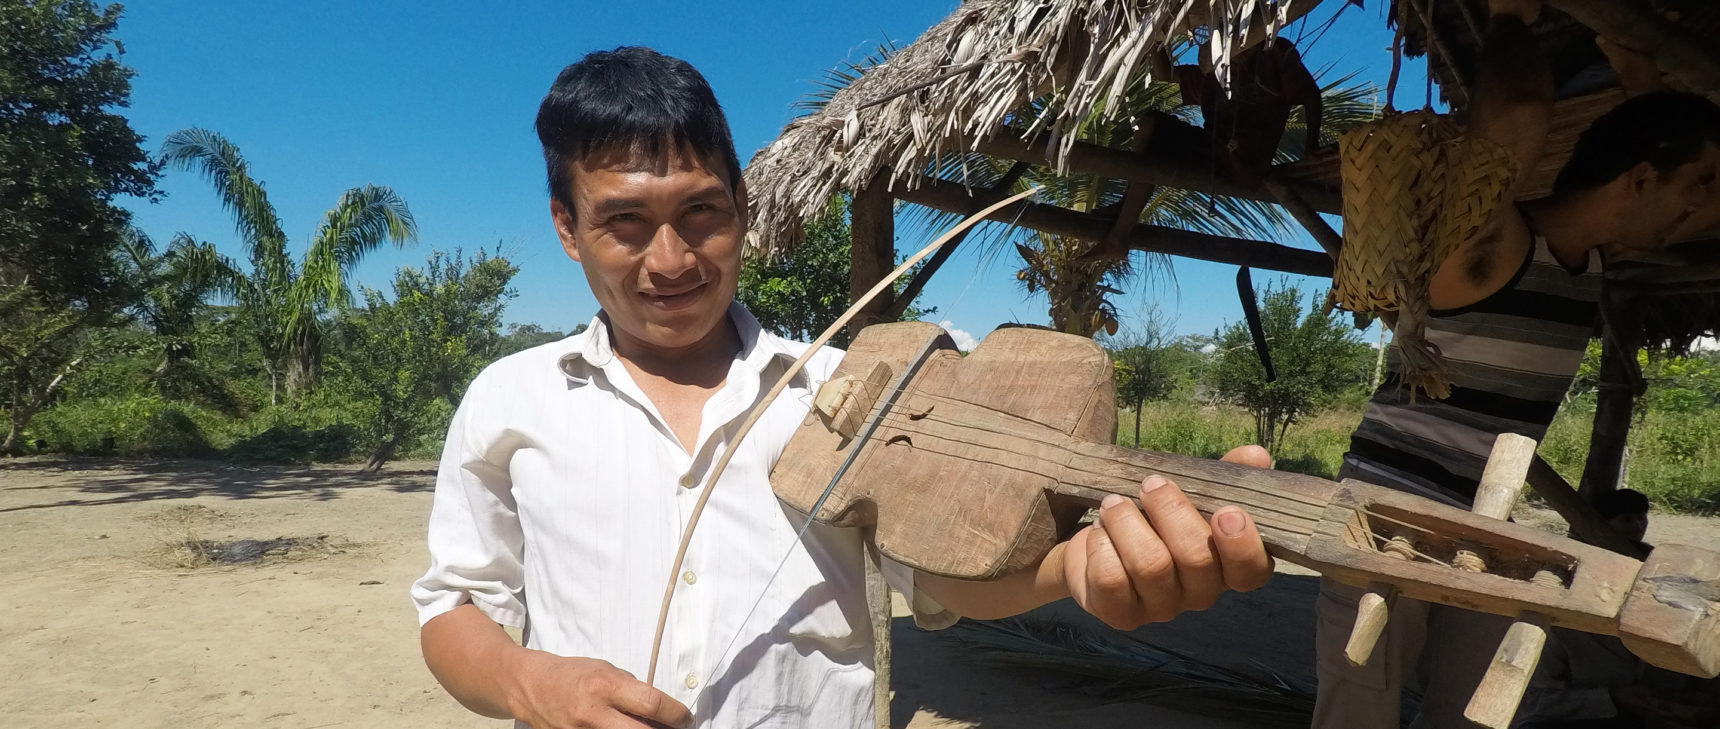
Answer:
x=1639 y=176
x=563 y=220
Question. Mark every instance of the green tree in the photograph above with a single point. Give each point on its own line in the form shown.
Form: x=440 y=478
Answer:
x=521 y=337
x=66 y=154
x=426 y=344
x=287 y=301
x=1145 y=367
x=1317 y=356
x=177 y=285
x=800 y=293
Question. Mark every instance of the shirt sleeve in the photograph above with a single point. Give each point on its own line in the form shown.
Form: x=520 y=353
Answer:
x=476 y=543
x=928 y=614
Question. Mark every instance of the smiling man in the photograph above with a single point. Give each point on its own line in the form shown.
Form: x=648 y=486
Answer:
x=570 y=470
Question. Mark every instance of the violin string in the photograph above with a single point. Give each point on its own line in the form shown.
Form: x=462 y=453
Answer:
x=1424 y=530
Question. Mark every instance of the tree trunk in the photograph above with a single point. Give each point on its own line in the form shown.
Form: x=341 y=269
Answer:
x=385 y=451
x=1138 y=424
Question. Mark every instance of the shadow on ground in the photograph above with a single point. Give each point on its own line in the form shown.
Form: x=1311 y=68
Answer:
x=29 y=484
x=1259 y=644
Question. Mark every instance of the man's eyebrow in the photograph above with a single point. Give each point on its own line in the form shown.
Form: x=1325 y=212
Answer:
x=715 y=190
x=611 y=206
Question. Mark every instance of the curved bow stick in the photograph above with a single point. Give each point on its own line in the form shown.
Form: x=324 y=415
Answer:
x=782 y=384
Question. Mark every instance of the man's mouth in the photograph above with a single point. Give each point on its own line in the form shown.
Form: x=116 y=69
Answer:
x=675 y=297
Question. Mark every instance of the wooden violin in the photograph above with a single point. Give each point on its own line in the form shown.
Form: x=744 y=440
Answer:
x=973 y=467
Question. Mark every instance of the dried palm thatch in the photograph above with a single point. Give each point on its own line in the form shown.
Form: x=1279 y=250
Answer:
x=1414 y=191
x=1120 y=668
x=968 y=77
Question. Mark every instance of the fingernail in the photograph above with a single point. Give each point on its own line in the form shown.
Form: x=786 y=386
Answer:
x=1231 y=523
x=1152 y=484
x=1112 y=500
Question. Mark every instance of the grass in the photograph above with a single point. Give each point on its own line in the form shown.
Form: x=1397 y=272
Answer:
x=1672 y=457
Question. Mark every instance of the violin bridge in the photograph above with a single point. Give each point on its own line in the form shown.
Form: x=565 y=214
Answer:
x=843 y=403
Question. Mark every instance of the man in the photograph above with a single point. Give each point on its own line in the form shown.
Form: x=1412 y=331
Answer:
x=1513 y=314
x=570 y=470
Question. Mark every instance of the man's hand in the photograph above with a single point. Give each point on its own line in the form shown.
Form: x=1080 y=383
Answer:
x=1147 y=562
x=552 y=692
x=487 y=672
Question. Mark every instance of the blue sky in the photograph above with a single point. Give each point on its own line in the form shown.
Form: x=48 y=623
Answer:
x=436 y=100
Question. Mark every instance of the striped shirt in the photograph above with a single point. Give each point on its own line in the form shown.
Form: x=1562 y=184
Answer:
x=1511 y=358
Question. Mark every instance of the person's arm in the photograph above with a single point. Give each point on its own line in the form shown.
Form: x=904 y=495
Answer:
x=487 y=672
x=1132 y=565
x=1512 y=106
x=475 y=581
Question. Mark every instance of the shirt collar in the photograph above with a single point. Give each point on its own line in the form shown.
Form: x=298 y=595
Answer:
x=594 y=348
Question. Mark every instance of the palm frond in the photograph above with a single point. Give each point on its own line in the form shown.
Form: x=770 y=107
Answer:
x=219 y=161
x=364 y=219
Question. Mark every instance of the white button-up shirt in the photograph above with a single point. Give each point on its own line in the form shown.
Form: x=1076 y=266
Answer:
x=561 y=498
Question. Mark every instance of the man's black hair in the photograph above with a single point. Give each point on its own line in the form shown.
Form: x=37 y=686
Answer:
x=632 y=98
x=1665 y=129
x=1620 y=502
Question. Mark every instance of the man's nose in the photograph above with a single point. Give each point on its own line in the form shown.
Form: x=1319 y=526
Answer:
x=668 y=254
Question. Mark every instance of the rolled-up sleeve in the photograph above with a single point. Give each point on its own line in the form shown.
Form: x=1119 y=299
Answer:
x=476 y=544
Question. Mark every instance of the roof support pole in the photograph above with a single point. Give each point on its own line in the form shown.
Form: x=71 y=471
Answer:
x=872 y=249
x=1620 y=381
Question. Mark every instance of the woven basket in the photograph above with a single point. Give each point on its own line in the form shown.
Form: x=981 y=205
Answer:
x=1414 y=191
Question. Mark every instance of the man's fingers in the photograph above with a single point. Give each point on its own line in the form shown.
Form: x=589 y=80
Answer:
x=1110 y=590
x=1249 y=455
x=644 y=701
x=1187 y=538
x=1240 y=551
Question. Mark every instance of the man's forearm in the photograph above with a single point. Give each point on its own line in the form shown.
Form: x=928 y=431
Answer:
x=1012 y=595
x=469 y=654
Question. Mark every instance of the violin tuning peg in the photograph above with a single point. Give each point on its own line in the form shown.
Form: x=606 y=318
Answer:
x=1371 y=613
x=1495 y=700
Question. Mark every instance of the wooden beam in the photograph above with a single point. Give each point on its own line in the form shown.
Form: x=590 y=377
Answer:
x=1187 y=173
x=955 y=198
x=872 y=249
x=1329 y=239
x=1621 y=337
x=1585 y=521
x=1631 y=25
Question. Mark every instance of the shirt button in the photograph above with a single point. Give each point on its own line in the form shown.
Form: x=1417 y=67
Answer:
x=690 y=577
x=692 y=681
x=687 y=481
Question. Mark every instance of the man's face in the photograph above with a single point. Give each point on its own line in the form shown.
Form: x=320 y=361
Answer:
x=1669 y=203
x=660 y=243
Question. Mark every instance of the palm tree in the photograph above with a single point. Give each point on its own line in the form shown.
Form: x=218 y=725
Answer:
x=176 y=285
x=285 y=300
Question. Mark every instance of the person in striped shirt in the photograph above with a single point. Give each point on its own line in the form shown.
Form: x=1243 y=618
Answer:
x=1513 y=313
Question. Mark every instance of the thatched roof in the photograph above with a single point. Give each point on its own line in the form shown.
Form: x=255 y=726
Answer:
x=961 y=82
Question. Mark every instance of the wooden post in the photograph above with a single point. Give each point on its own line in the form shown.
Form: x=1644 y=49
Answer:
x=1621 y=337
x=878 y=606
x=872 y=254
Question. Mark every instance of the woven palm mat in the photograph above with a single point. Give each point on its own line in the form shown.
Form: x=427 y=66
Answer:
x=1415 y=190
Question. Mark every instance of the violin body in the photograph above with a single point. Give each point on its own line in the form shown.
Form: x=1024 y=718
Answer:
x=974 y=466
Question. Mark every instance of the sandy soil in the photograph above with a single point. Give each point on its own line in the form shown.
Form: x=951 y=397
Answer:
x=107 y=623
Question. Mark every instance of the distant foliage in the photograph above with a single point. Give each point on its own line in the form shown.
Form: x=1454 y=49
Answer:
x=1318 y=356
x=521 y=337
x=425 y=345
x=798 y=294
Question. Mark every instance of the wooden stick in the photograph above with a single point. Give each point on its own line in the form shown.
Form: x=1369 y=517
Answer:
x=1495 y=701
x=775 y=390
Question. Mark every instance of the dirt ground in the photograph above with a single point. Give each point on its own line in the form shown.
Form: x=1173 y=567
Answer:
x=111 y=621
